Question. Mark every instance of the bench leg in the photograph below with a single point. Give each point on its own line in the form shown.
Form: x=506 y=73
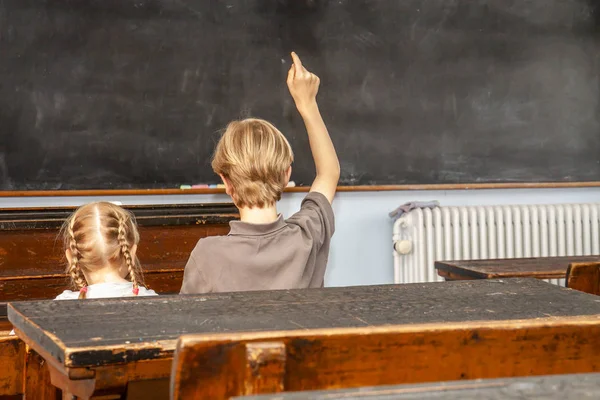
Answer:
x=37 y=379
x=72 y=389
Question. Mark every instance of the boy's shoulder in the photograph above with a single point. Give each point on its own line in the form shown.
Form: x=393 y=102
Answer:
x=209 y=245
x=210 y=241
x=317 y=209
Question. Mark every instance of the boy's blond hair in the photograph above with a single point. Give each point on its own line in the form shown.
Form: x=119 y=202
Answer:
x=254 y=157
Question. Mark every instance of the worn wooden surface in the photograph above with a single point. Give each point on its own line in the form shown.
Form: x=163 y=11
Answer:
x=265 y=367
x=584 y=277
x=32 y=259
x=211 y=366
x=552 y=387
x=70 y=332
x=12 y=365
x=37 y=378
x=137 y=337
x=540 y=268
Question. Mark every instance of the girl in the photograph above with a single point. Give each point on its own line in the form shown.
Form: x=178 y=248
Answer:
x=100 y=244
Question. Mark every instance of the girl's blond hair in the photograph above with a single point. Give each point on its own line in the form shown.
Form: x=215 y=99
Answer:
x=254 y=157
x=98 y=234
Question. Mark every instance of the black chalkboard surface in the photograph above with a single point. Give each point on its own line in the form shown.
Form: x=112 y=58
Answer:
x=131 y=94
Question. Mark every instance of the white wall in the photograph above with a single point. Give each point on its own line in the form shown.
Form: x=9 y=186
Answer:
x=361 y=251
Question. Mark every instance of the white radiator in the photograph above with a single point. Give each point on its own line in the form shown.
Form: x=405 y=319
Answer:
x=424 y=236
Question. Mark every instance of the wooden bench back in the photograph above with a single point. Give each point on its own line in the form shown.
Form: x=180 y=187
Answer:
x=222 y=366
x=584 y=277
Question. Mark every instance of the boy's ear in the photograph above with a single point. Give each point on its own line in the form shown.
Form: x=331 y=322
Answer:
x=288 y=175
x=228 y=188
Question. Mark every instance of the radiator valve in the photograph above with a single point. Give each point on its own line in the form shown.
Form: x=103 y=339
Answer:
x=403 y=246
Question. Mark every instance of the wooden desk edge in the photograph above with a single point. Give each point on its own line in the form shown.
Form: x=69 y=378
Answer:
x=418 y=388
x=447 y=270
x=22 y=325
x=410 y=388
x=578 y=320
x=165 y=348
x=302 y=189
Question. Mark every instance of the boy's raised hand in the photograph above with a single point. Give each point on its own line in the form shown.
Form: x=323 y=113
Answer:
x=303 y=85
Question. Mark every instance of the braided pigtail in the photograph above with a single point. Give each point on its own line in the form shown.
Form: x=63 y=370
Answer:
x=77 y=278
x=132 y=265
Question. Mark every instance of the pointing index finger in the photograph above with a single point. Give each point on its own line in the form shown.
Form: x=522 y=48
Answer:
x=297 y=61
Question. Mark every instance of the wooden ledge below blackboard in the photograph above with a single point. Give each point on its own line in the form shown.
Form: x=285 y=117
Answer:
x=300 y=189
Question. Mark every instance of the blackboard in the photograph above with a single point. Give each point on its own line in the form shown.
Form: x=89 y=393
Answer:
x=132 y=94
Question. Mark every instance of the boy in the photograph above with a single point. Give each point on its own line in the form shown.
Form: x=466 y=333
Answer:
x=263 y=251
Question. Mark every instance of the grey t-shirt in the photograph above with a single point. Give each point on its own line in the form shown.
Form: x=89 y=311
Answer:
x=285 y=254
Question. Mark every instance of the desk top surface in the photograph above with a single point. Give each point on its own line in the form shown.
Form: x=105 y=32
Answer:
x=539 y=267
x=61 y=328
x=556 y=387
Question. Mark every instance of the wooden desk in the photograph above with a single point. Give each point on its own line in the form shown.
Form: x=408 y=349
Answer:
x=32 y=259
x=101 y=345
x=552 y=387
x=539 y=268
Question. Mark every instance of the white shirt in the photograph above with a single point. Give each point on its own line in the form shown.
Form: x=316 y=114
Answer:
x=106 y=290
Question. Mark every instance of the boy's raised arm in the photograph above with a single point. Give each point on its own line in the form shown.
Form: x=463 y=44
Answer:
x=304 y=87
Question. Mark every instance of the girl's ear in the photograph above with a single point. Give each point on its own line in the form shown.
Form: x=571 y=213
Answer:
x=69 y=256
x=132 y=250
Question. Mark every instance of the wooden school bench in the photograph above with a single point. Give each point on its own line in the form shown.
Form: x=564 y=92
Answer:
x=107 y=345
x=32 y=261
x=539 y=267
x=552 y=387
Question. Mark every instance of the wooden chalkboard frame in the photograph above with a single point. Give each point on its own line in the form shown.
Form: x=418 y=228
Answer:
x=365 y=188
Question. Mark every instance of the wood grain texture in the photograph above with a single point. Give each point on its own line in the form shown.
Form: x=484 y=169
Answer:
x=12 y=365
x=157 y=389
x=204 y=365
x=549 y=387
x=539 y=267
x=72 y=388
x=265 y=367
x=32 y=261
x=69 y=331
x=584 y=277
x=299 y=189
x=5 y=326
x=37 y=378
